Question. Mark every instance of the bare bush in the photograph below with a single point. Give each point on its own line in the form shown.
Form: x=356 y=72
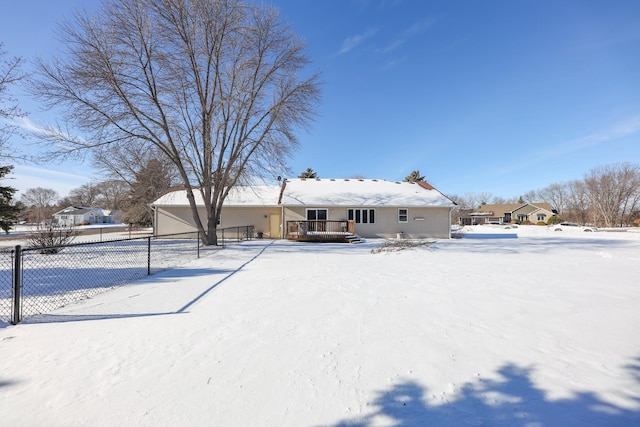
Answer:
x=401 y=245
x=51 y=240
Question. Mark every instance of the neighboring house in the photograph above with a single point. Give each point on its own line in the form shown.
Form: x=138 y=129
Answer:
x=366 y=207
x=509 y=212
x=79 y=215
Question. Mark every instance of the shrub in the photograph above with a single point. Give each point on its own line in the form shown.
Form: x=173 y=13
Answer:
x=51 y=240
x=554 y=220
x=541 y=223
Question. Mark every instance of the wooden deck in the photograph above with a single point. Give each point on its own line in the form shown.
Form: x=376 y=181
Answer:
x=320 y=231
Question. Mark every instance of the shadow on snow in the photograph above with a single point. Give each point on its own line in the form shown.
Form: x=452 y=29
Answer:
x=513 y=400
x=180 y=272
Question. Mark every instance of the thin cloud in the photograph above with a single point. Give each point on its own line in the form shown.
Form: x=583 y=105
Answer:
x=354 y=41
x=419 y=27
x=26 y=124
x=48 y=171
x=620 y=130
x=394 y=62
x=413 y=30
x=394 y=45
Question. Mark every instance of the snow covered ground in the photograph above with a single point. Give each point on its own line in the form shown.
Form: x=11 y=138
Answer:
x=538 y=330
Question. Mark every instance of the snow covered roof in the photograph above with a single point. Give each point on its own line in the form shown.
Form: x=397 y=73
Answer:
x=79 y=210
x=255 y=195
x=324 y=192
x=361 y=192
x=500 y=209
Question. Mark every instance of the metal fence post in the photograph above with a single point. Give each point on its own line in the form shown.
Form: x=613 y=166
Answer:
x=17 y=284
x=149 y=256
x=198 y=243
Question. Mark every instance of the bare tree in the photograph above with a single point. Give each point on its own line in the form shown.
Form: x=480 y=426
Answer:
x=556 y=196
x=125 y=162
x=613 y=191
x=629 y=185
x=113 y=194
x=577 y=206
x=150 y=183
x=40 y=203
x=530 y=197
x=87 y=195
x=468 y=201
x=215 y=85
x=105 y=195
x=9 y=75
x=483 y=198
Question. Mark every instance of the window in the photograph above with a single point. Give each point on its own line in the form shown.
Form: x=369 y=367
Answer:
x=403 y=215
x=361 y=216
x=522 y=217
x=316 y=214
x=542 y=217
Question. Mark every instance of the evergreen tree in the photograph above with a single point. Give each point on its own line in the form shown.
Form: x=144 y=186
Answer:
x=414 y=177
x=8 y=210
x=309 y=173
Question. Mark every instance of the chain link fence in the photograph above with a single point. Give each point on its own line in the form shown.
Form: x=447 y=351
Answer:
x=42 y=282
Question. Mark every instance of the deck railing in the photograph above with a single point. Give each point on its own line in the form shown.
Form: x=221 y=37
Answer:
x=319 y=230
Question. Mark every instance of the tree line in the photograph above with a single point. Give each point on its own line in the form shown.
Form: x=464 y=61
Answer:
x=127 y=197
x=606 y=196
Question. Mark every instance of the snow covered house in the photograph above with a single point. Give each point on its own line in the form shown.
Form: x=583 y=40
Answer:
x=321 y=207
x=79 y=215
x=245 y=205
x=509 y=212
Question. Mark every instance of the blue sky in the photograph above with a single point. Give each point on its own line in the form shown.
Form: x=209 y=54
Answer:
x=480 y=96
